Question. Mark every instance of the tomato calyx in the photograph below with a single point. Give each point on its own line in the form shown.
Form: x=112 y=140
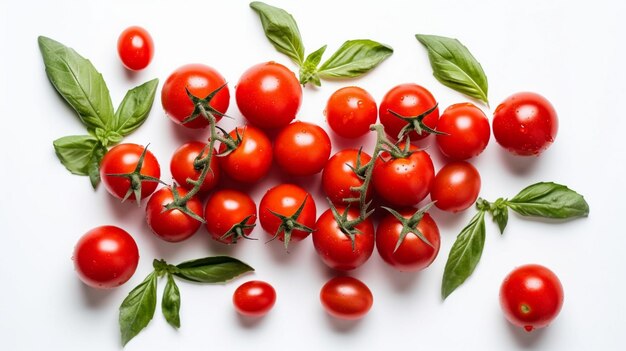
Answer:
x=202 y=106
x=239 y=231
x=290 y=223
x=416 y=123
x=409 y=225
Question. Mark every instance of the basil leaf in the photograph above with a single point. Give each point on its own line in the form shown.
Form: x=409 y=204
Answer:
x=454 y=66
x=216 y=269
x=281 y=29
x=308 y=71
x=501 y=217
x=549 y=200
x=138 y=308
x=170 y=305
x=76 y=79
x=135 y=108
x=354 y=58
x=464 y=254
x=81 y=155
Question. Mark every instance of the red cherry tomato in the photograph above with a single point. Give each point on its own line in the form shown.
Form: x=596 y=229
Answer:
x=251 y=160
x=123 y=159
x=346 y=298
x=531 y=296
x=105 y=257
x=225 y=209
x=467 y=131
x=338 y=176
x=172 y=225
x=182 y=166
x=525 y=124
x=285 y=199
x=254 y=298
x=302 y=149
x=408 y=100
x=350 y=111
x=135 y=48
x=456 y=187
x=269 y=95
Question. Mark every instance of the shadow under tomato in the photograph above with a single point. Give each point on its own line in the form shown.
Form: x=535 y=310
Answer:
x=402 y=282
x=277 y=250
x=518 y=165
x=451 y=223
x=95 y=298
x=249 y=322
x=523 y=338
x=343 y=326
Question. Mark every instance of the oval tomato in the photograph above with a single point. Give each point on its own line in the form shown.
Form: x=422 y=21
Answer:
x=229 y=215
x=172 y=225
x=467 y=131
x=135 y=48
x=122 y=160
x=302 y=149
x=407 y=100
x=254 y=298
x=456 y=187
x=346 y=298
x=252 y=158
x=183 y=166
x=350 y=111
x=285 y=200
x=338 y=177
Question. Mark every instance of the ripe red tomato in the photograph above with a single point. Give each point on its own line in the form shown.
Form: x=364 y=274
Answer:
x=408 y=100
x=253 y=157
x=225 y=212
x=350 y=111
x=456 y=186
x=338 y=176
x=335 y=248
x=346 y=298
x=285 y=200
x=302 y=149
x=531 y=296
x=172 y=225
x=525 y=124
x=135 y=48
x=105 y=257
x=123 y=159
x=200 y=80
x=269 y=95
x=254 y=298
x=182 y=166
x=467 y=131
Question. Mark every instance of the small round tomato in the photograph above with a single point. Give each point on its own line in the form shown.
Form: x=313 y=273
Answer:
x=456 y=186
x=254 y=298
x=183 y=166
x=335 y=247
x=172 y=225
x=122 y=160
x=407 y=100
x=525 y=124
x=467 y=131
x=229 y=215
x=135 y=48
x=252 y=158
x=105 y=257
x=350 y=111
x=346 y=298
x=269 y=95
x=531 y=296
x=302 y=149
x=201 y=81
x=285 y=200
x=338 y=177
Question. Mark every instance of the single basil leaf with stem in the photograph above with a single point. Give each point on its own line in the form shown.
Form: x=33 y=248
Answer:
x=135 y=107
x=216 y=269
x=281 y=30
x=138 y=308
x=549 y=200
x=354 y=58
x=308 y=71
x=455 y=67
x=170 y=305
x=81 y=155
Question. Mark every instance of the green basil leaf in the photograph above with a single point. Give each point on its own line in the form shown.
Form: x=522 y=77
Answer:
x=549 y=200
x=135 y=108
x=216 y=269
x=77 y=80
x=138 y=308
x=81 y=155
x=308 y=71
x=170 y=305
x=454 y=66
x=281 y=30
x=464 y=254
x=354 y=58
x=501 y=217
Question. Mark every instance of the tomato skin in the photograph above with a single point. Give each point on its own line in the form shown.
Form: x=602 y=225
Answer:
x=172 y=225
x=335 y=248
x=302 y=149
x=122 y=159
x=413 y=254
x=531 y=296
x=254 y=298
x=285 y=199
x=456 y=186
x=467 y=130
x=252 y=159
x=408 y=100
x=224 y=209
x=346 y=298
x=350 y=111
x=525 y=124
x=269 y=95
x=338 y=178
x=182 y=168
x=135 y=48
x=105 y=257
x=201 y=80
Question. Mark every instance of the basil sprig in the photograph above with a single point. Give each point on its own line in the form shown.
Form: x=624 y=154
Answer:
x=84 y=89
x=353 y=59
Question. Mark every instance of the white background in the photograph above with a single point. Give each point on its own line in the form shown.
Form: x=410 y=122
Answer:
x=571 y=52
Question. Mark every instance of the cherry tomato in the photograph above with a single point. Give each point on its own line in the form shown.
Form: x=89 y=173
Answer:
x=350 y=111
x=302 y=149
x=269 y=95
x=135 y=48
x=346 y=298
x=531 y=296
x=286 y=199
x=525 y=124
x=335 y=248
x=224 y=210
x=123 y=159
x=182 y=166
x=200 y=80
x=251 y=160
x=338 y=176
x=467 y=131
x=172 y=225
x=408 y=100
x=254 y=298
x=456 y=186
x=105 y=257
